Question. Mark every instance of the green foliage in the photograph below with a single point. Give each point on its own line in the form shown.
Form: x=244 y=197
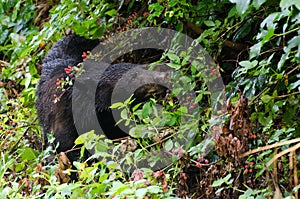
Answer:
x=82 y=17
x=17 y=29
x=255 y=43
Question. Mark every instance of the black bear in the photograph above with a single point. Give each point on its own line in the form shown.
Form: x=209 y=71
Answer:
x=58 y=117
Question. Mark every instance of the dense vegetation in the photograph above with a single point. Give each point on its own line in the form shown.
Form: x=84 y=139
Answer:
x=256 y=47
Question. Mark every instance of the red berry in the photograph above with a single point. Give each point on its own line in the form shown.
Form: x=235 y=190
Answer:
x=67 y=70
x=57 y=83
x=206 y=161
x=184 y=176
x=213 y=72
x=180 y=154
x=199 y=165
x=199 y=159
x=55 y=96
x=250 y=170
x=83 y=55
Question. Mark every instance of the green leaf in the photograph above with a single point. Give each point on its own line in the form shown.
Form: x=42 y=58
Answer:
x=66 y=189
x=146 y=111
x=174 y=66
x=217 y=183
x=295 y=85
x=289 y=3
x=296 y=187
x=268 y=36
x=28 y=154
x=248 y=192
x=141 y=192
x=154 y=189
x=101 y=146
x=111 y=13
x=173 y=57
x=209 y=23
x=294 y=42
x=255 y=50
x=124 y=114
x=136 y=132
x=248 y=65
x=27 y=80
x=266 y=98
x=83 y=137
x=117 y=105
x=169 y=145
x=19 y=166
x=258 y=3
x=112 y=165
x=156 y=6
x=241 y=5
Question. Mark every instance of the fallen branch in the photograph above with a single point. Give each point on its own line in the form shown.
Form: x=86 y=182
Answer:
x=293 y=148
x=270 y=147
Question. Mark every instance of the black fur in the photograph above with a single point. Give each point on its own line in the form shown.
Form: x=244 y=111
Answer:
x=57 y=117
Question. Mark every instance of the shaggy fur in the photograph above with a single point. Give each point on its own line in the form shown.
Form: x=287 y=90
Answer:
x=58 y=117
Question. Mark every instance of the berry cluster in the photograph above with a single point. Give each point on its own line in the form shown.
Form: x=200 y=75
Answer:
x=214 y=72
x=177 y=152
x=201 y=162
x=252 y=136
x=65 y=82
x=248 y=167
x=71 y=71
